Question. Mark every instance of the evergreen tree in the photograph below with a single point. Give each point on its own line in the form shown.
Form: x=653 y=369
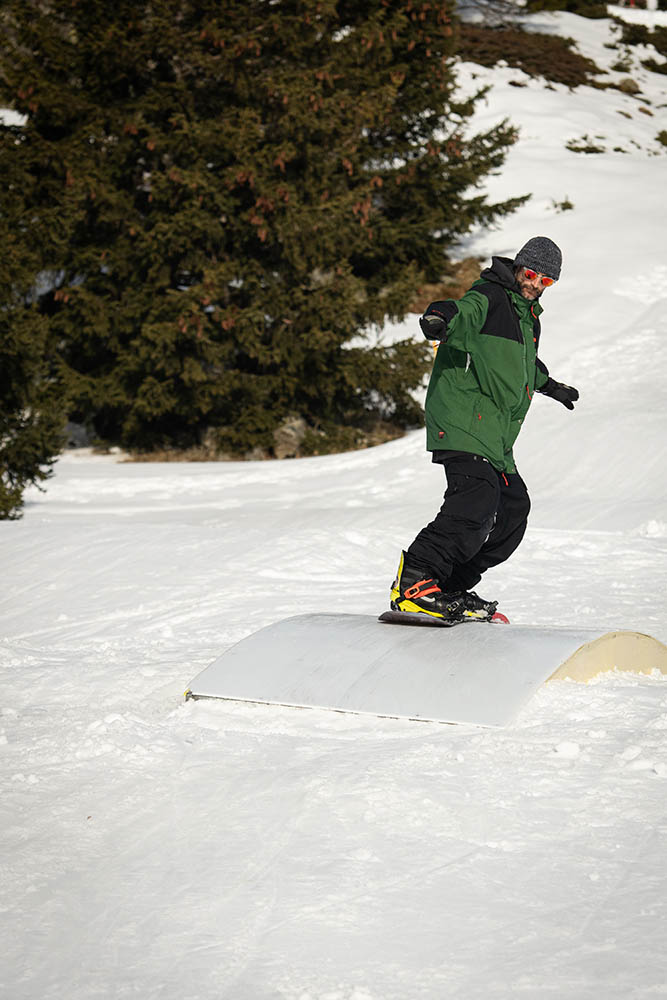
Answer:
x=227 y=194
x=32 y=420
x=32 y=411
x=32 y=416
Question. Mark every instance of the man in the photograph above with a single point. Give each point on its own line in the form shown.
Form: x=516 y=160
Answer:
x=484 y=376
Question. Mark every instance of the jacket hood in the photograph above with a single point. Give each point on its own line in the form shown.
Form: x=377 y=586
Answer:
x=502 y=273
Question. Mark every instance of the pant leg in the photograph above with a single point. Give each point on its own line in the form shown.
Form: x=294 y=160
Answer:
x=465 y=519
x=507 y=533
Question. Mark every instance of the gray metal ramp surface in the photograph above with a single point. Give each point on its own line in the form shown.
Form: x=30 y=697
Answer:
x=473 y=673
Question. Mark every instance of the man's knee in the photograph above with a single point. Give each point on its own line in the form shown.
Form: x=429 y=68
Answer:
x=468 y=514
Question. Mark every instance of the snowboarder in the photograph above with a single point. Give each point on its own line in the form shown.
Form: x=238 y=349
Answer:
x=484 y=376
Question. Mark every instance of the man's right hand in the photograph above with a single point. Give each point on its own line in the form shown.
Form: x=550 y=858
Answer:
x=434 y=327
x=435 y=319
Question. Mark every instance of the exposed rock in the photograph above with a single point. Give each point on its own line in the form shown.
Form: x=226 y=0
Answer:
x=288 y=438
x=78 y=436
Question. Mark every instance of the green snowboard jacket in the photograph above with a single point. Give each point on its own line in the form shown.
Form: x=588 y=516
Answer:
x=487 y=369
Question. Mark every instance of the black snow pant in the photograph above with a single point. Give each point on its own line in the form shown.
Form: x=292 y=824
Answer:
x=480 y=524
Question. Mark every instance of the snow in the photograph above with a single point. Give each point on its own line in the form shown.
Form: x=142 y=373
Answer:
x=160 y=848
x=9 y=117
x=651 y=17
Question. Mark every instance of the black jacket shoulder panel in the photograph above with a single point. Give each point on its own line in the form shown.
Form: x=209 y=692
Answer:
x=501 y=319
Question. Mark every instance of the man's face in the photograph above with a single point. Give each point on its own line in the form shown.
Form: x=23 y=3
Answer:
x=531 y=288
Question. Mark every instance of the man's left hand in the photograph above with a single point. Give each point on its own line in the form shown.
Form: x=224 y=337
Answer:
x=565 y=394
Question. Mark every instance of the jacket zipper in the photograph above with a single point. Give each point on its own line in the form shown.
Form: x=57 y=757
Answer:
x=524 y=355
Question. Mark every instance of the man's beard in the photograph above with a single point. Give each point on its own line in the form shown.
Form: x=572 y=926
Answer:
x=534 y=292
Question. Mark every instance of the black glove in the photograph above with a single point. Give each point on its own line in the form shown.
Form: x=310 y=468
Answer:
x=435 y=319
x=433 y=327
x=565 y=394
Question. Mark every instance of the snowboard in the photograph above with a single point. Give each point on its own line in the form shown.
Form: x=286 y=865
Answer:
x=427 y=621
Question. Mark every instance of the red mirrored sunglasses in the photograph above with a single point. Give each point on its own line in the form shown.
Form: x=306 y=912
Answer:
x=531 y=275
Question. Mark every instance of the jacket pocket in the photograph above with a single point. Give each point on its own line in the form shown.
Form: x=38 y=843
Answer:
x=485 y=422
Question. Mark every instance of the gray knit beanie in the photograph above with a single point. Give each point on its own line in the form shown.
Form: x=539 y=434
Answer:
x=541 y=254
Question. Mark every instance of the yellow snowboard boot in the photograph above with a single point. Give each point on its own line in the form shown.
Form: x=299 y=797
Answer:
x=415 y=590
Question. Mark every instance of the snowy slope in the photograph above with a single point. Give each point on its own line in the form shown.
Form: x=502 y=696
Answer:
x=164 y=849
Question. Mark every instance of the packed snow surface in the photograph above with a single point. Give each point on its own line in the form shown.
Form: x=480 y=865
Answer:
x=159 y=848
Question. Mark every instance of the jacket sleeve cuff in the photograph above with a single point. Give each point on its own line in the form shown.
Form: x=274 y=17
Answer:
x=548 y=387
x=541 y=376
x=447 y=310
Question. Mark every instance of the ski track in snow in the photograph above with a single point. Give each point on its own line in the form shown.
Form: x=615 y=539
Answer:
x=222 y=851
